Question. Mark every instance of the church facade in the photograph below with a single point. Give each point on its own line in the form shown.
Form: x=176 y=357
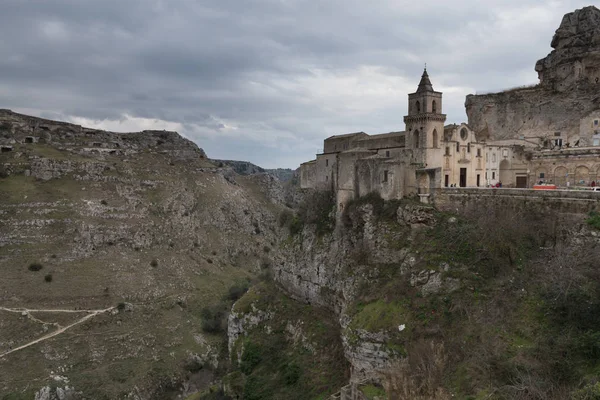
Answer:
x=428 y=154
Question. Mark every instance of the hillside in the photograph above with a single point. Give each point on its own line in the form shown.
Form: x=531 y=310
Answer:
x=493 y=302
x=130 y=236
x=247 y=168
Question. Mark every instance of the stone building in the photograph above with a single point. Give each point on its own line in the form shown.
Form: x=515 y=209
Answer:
x=548 y=133
x=427 y=155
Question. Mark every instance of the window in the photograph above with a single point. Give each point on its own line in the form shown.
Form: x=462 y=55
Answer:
x=434 y=108
x=457 y=147
x=418 y=106
x=447 y=150
x=478 y=152
x=505 y=153
x=468 y=147
x=595 y=122
x=447 y=180
x=542 y=175
x=464 y=134
x=435 y=139
x=558 y=142
x=486 y=175
x=493 y=175
x=493 y=158
x=335 y=147
x=326 y=162
x=416 y=139
x=385 y=176
x=326 y=178
x=387 y=153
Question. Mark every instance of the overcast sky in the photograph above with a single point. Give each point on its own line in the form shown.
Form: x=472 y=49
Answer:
x=263 y=80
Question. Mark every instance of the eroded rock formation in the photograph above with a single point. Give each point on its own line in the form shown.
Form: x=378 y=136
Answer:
x=569 y=88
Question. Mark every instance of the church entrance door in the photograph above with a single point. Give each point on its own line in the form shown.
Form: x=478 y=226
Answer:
x=463 y=177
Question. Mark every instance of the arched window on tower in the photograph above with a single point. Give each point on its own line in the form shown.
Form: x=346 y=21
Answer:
x=416 y=139
x=435 y=138
x=418 y=105
x=434 y=108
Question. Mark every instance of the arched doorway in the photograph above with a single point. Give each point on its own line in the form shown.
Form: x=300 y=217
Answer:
x=582 y=176
x=505 y=173
x=416 y=139
x=560 y=176
x=435 y=139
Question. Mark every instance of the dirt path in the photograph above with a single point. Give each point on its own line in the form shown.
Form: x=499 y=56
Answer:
x=91 y=314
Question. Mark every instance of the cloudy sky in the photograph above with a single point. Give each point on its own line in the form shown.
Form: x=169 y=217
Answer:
x=262 y=80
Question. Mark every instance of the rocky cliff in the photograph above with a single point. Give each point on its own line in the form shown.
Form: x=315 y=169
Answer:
x=429 y=305
x=111 y=244
x=568 y=90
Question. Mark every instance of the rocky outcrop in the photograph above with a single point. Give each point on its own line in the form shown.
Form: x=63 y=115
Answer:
x=576 y=55
x=331 y=271
x=568 y=90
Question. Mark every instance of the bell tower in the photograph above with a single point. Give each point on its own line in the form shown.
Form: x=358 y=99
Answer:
x=425 y=124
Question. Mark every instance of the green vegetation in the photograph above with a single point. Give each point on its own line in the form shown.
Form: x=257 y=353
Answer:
x=380 y=316
x=48 y=278
x=594 y=219
x=275 y=365
x=214 y=318
x=317 y=209
x=35 y=266
x=519 y=324
x=372 y=392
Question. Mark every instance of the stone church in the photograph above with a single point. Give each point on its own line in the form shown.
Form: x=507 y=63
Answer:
x=523 y=146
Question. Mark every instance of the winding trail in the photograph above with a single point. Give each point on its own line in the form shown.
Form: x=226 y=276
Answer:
x=90 y=314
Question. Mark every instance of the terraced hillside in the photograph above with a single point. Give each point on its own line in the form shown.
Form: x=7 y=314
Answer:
x=110 y=246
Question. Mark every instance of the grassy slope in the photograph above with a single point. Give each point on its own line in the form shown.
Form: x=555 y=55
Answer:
x=83 y=237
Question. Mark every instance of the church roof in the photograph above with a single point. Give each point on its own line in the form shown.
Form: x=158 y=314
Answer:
x=346 y=135
x=425 y=84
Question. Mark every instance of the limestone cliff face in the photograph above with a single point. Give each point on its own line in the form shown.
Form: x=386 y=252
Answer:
x=568 y=91
x=332 y=271
x=140 y=226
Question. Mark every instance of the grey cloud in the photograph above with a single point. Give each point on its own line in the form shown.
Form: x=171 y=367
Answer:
x=255 y=64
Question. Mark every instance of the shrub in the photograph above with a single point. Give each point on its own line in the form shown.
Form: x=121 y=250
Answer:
x=48 y=278
x=285 y=218
x=594 y=220
x=237 y=290
x=213 y=319
x=251 y=357
x=103 y=202
x=266 y=249
x=291 y=374
x=154 y=263
x=296 y=225
x=121 y=306
x=318 y=208
x=35 y=266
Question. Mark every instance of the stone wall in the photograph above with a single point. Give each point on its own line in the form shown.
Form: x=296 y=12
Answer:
x=549 y=201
